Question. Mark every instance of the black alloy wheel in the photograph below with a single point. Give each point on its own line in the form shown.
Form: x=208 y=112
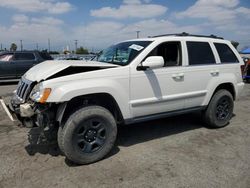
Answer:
x=223 y=108
x=219 y=110
x=90 y=135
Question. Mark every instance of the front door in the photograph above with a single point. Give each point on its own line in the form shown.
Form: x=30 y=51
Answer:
x=155 y=91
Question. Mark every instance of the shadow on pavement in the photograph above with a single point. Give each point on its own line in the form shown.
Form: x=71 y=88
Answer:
x=127 y=135
x=143 y=132
x=42 y=144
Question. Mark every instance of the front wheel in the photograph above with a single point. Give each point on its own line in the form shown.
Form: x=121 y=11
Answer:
x=89 y=135
x=219 y=110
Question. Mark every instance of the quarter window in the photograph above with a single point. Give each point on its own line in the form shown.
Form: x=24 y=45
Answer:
x=225 y=53
x=200 y=53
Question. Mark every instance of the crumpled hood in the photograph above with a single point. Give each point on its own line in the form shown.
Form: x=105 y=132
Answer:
x=47 y=69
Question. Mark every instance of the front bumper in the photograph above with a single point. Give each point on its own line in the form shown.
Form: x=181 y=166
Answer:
x=19 y=107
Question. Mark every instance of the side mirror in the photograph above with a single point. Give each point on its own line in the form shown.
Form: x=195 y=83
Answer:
x=151 y=62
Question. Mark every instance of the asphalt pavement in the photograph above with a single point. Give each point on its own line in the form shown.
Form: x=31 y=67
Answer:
x=172 y=152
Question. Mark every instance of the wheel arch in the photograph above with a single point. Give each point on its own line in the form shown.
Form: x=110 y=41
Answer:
x=227 y=86
x=102 y=99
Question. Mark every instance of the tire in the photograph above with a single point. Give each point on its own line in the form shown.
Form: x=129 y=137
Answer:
x=220 y=109
x=89 y=135
x=60 y=139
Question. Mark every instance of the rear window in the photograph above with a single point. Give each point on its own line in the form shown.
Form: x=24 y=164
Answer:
x=200 y=53
x=24 y=56
x=225 y=53
x=45 y=56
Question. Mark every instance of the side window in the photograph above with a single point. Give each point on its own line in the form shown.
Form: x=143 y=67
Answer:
x=24 y=56
x=171 y=53
x=225 y=53
x=200 y=53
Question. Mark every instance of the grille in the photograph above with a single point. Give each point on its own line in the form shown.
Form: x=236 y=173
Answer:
x=24 y=88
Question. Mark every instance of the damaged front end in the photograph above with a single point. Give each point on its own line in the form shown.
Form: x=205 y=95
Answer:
x=29 y=106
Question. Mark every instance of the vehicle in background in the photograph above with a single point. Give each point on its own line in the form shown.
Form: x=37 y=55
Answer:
x=74 y=57
x=69 y=58
x=14 y=64
x=246 y=72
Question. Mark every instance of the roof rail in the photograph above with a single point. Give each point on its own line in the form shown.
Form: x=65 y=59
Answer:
x=184 y=34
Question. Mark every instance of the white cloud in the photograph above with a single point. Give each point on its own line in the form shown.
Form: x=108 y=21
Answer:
x=130 y=9
x=216 y=11
x=132 y=2
x=224 y=17
x=222 y=3
x=221 y=17
x=32 y=31
x=102 y=34
x=50 y=6
x=222 y=14
x=156 y=27
x=135 y=1
x=244 y=11
x=47 y=21
x=20 y=18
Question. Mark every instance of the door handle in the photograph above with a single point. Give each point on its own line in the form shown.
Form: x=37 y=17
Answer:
x=214 y=72
x=178 y=76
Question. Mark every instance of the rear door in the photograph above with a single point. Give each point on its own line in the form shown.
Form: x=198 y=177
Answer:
x=7 y=66
x=23 y=62
x=201 y=70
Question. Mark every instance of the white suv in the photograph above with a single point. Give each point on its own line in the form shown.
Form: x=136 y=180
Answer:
x=130 y=82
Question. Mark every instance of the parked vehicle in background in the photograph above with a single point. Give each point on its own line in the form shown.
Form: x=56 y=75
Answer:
x=73 y=57
x=246 y=73
x=14 y=64
x=130 y=82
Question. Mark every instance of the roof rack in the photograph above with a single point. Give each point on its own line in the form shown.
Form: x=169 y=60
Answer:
x=184 y=34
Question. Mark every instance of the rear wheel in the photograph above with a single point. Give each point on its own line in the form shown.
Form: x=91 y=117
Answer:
x=89 y=135
x=219 y=110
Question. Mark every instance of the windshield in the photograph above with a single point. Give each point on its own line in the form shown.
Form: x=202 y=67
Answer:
x=122 y=53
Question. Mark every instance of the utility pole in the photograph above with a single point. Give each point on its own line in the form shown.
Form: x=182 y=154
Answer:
x=21 y=45
x=138 y=34
x=37 y=46
x=49 y=45
x=76 y=45
x=1 y=47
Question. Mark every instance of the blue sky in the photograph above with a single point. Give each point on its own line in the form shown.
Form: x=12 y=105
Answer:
x=97 y=24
